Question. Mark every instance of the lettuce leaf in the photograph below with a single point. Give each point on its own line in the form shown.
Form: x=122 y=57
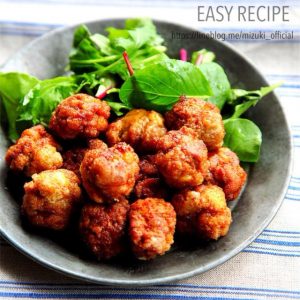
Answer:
x=103 y=55
x=13 y=88
x=39 y=103
x=159 y=86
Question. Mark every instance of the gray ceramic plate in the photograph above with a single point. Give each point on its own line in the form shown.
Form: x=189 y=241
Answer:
x=47 y=57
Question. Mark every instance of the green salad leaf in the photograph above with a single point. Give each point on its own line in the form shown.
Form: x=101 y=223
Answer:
x=136 y=34
x=242 y=135
x=103 y=55
x=244 y=138
x=13 y=87
x=206 y=56
x=118 y=108
x=218 y=81
x=90 y=82
x=242 y=100
x=158 y=86
x=42 y=99
x=89 y=53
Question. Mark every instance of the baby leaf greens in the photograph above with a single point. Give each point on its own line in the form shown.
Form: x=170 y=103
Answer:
x=244 y=138
x=13 y=87
x=242 y=100
x=154 y=82
x=218 y=81
x=103 y=55
x=159 y=86
x=242 y=135
x=202 y=56
x=42 y=99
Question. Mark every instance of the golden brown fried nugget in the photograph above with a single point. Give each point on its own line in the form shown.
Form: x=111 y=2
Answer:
x=202 y=116
x=34 y=152
x=80 y=116
x=73 y=157
x=103 y=228
x=202 y=212
x=151 y=227
x=50 y=198
x=111 y=174
x=140 y=128
x=182 y=158
x=226 y=172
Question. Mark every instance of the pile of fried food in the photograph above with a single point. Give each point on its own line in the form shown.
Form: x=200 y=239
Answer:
x=135 y=179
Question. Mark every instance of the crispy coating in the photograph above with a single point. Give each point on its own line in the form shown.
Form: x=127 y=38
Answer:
x=73 y=157
x=203 y=117
x=103 y=228
x=202 y=212
x=80 y=116
x=182 y=158
x=50 y=198
x=151 y=227
x=110 y=174
x=226 y=172
x=34 y=152
x=149 y=183
x=96 y=144
x=139 y=128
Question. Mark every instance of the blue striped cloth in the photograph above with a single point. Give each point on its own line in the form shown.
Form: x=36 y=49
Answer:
x=269 y=268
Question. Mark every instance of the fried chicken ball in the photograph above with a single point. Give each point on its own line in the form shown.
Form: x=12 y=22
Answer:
x=182 y=158
x=73 y=157
x=139 y=128
x=226 y=172
x=103 y=228
x=34 y=152
x=202 y=212
x=110 y=174
x=151 y=227
x=80 y=116
x=149 y=183
x=203 y=117
x=50 y=198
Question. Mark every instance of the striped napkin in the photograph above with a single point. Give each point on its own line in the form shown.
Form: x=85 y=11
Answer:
x=267 y=269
